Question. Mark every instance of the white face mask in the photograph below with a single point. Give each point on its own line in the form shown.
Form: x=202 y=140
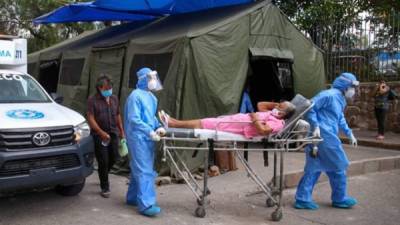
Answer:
x=152 y=85
x=350 y=92
x=275 y=113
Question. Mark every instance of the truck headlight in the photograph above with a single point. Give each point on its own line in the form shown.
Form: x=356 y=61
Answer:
x=81 y=131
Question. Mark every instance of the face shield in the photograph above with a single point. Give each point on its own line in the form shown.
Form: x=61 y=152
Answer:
x=153 y=81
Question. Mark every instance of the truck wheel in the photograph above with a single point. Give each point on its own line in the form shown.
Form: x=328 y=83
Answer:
x=70 y=190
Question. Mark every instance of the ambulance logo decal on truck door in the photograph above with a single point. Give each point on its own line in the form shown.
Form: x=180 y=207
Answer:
x=24 y=114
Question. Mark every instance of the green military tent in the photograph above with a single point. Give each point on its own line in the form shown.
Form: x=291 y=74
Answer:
x=205 y=59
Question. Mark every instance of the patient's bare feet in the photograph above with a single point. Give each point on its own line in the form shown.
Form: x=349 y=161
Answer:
x=164 y=118
x=172 y=122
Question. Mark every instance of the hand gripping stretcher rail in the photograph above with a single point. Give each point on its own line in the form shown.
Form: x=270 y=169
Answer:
x=292 y=138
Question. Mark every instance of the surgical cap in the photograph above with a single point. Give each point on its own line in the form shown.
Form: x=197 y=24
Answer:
x=142 y=80
x=344 y=81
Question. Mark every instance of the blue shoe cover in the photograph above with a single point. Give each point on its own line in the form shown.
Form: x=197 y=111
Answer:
x=346 y=204
x=151 y=211
x=134 y=203
x=306 y=205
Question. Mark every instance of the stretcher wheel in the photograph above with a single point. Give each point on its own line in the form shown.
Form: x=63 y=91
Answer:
x=269 y=202
x=200 y=202
x=276 y=215
x=200 y=212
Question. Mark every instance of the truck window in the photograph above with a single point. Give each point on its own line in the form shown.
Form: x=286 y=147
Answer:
x=18 y=88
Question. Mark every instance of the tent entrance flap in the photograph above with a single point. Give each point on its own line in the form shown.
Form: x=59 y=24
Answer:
x=273 y=53
x=48 y=74
x=270 y=79
x=264 y=84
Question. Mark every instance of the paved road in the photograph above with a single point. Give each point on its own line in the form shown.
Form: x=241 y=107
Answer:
x=377 y=193
x=379 y=203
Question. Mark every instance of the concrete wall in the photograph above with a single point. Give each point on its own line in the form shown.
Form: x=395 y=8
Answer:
x=360 y=113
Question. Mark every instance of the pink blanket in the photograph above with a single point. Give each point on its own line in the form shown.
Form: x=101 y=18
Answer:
x=226 y=123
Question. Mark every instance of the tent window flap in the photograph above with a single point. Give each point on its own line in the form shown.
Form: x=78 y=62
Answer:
x=71 y=71
x=272 y=53
x=158 y=62
x=32 y=69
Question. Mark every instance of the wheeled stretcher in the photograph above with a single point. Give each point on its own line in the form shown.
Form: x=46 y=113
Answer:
x=292 y=138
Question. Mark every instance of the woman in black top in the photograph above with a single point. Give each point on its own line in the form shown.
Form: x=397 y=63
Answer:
x=382 y=95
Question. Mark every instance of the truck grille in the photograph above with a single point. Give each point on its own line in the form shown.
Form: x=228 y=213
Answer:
x=23 y=166
x=22 y=139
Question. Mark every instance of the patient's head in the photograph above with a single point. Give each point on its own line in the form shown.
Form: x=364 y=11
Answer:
x=284 y=110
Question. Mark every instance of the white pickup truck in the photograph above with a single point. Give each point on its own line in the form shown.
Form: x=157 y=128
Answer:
x=42 y=143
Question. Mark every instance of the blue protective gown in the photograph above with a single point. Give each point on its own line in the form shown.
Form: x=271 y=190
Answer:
x=328 y=115
x=139 y=121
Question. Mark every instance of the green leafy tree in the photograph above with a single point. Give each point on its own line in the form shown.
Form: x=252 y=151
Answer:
x=330 y=18
x=16 y=19
x=386 y=20
x=341 y=25
x=319 y=18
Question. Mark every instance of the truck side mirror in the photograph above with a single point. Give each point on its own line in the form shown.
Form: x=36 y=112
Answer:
x=57 y=98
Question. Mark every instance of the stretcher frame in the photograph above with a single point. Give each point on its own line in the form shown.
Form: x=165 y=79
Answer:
x=287 y=140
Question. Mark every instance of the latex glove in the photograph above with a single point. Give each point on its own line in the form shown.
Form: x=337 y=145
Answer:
x=154 y=136
x=161 y=131
x=317 y=132
x=353 y=140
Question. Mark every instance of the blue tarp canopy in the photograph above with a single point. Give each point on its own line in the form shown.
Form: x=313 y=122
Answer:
x=160 y=7
x=128 y=10
x=166 y=6
x=86 y=12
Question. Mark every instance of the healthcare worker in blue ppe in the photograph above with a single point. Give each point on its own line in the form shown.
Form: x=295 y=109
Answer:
x=142 y=130
x=326 y=118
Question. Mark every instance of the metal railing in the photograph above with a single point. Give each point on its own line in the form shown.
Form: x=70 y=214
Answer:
x=368 y=46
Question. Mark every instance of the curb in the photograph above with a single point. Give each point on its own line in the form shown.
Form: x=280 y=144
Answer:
x=356 y=168
x=376 y=144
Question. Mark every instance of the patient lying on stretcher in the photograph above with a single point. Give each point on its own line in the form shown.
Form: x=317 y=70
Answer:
x=270 y=118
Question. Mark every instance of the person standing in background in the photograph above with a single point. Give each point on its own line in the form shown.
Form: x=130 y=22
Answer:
x=246 y=106
x=105 y=121
x=382 y=94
